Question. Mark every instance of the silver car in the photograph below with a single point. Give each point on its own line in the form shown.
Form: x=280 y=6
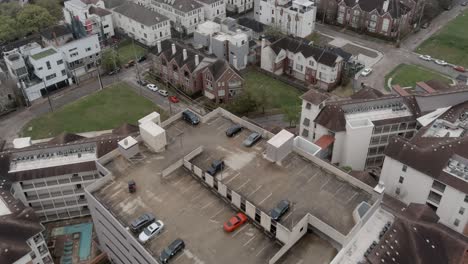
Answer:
x=252 y=139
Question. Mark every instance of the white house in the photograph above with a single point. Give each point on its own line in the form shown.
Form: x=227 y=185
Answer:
x=141 y=23
x=296 y=58
x=185 y=15
x=292 y=17
x=213 y=8
x=239 y=6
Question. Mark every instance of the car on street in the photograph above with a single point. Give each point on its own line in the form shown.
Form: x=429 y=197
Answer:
x=252 y=139
x=425 y=57
x=216 y=166
x=173 y=99
x=142 y=82
x=142 y=58
x=152 y=87
x=151 y=231
x=366 y=72
x=176 y=246
x=459 y=68
x=281 y=208
x=235 y=222
x=141 y=222
x=163 y=93
x=441 y=62
x=232 y=131
x=190 y=117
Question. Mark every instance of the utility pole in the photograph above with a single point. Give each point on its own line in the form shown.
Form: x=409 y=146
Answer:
x=99 y=77
x=422 y=13
x=48 y=95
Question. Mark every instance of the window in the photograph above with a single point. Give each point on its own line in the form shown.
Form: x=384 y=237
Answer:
x=305 y=133
x=63 y=73
x=142 y=27
x=404 y=168
x=401 y=179
x=299 y=67
x=456 y=223
x=51 y=76
x=59 y=62
x=48 y=65
x=306 y=122
x=144 y=34
x=438 y=186
x=311 y=63
x=385 y=25
x=466 y=198
x=434 y=197
x=106 y=26
x=461 y=211
x=397 y=191
x=39 y=69
x=88 y=49
x=308 y=105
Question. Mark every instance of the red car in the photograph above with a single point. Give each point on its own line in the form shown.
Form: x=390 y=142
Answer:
x=235 y=221
x=459 y=68
x=173 y=99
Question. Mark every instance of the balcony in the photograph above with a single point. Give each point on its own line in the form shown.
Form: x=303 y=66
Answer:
x=51 y=183
x=53 y=194
x=434 y=197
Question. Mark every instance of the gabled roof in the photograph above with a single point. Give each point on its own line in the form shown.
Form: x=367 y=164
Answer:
x=166 y=50
x=99 y=11
x=56 y=31
x=64 y=138
x=182 y=5
x=395 y=8
x=140 y=14
x=320 y=55
x=367 y=93
x=109 y=4
x=315 y=97
x=252 y=24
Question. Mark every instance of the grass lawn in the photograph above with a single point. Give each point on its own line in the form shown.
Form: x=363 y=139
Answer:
x=450 y=43
x=344 y=91
x=408 y=75
x=278 y=94
x=106 y=109
x=126 y=53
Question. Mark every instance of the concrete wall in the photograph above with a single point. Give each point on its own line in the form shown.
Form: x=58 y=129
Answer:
x=172 y=168
x=297 y=233
x=356 y=143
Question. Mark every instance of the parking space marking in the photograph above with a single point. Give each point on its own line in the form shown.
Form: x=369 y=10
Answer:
x=178 y=257
x=188 y=188
x=208 y=204
x=242 y=186
x=217 y=213
x=209 y=157
x=342 y=185
x=196 y=196
x=250 y=240
x=254 y=191
x=311 y=178
x=222 y=127
x=238 y=231
x=238 y=173
x=289 y=214
x=179 y=180
x=328 y=180
x=351 y=198
x=261 y=250
x=265 y=199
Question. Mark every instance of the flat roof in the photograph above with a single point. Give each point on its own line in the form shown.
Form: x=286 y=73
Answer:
x=44 y=54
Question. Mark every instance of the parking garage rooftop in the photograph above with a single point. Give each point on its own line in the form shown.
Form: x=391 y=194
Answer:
x=194 y=213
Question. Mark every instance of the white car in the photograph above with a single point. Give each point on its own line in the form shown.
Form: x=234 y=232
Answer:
x=425 y=57
x=366 y=72
x=441 y=62
x=152 y=87
x=151 y=231
x=163 y=93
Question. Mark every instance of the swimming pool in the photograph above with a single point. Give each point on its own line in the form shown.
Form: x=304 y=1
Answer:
x=85 y=230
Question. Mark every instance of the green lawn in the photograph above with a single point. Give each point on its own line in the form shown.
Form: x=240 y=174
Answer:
x=278 y=94
x=106 y=109
x=450 y=43
x=408 y=75
x=126 y=51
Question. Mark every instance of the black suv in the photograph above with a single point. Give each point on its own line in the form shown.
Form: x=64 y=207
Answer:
x=190 y=117
x=232 y=131
x=141 y=222
x=281 y=208
x=216 y=166
x=176 y=246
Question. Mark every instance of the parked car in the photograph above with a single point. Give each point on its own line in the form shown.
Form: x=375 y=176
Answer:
x=152 y=87
x=190 y=117
x=459 y=68
x=131 y=186
x=142 y=58
x=173 y=99
x=141 y=222
x=281 y=208
x=366 y=72
x=252 y=139
x=151 y=231
x=142 y=82
x=235 y=221
x=129 y=64
x=216 y=166
x=176 y=246
x=441 y=62
x=425 y=57
x=232 y=131
x=115 y=71
x=163 y=93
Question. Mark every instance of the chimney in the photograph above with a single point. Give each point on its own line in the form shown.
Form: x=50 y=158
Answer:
x=234 y=61
x=197 y=60
x=173 y=49
x=385 y=5
x=159 y=46
x=184 y=54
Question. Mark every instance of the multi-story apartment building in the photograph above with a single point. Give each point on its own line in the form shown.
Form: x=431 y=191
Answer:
x=185 y=15
x=292 y=17
x=386 y=18
x=141 y=23
x=21 y=236
x=432 y=167
x=193 y=72
x=295 y=57
x=217 y=39
x=239 y=6
x=213 y=8
x=50 y=177
x=91 y=16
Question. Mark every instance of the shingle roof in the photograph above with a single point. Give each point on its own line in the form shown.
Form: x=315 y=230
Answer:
x=394 y=8
x=58 y=30
x=367 y=93
x=166 y=49
x=99 y=11
x=301 y=45
x=140 y=14
x=109 y=4
x=252 y=24
x=182 y=5
x=315 y=97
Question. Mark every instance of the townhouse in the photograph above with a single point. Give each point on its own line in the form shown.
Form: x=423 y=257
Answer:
x=291 y=17
x=296 y=58
x=213 y=8
x=239 y=6
x=142 y=24
x=385 y=18
x=195 y=73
